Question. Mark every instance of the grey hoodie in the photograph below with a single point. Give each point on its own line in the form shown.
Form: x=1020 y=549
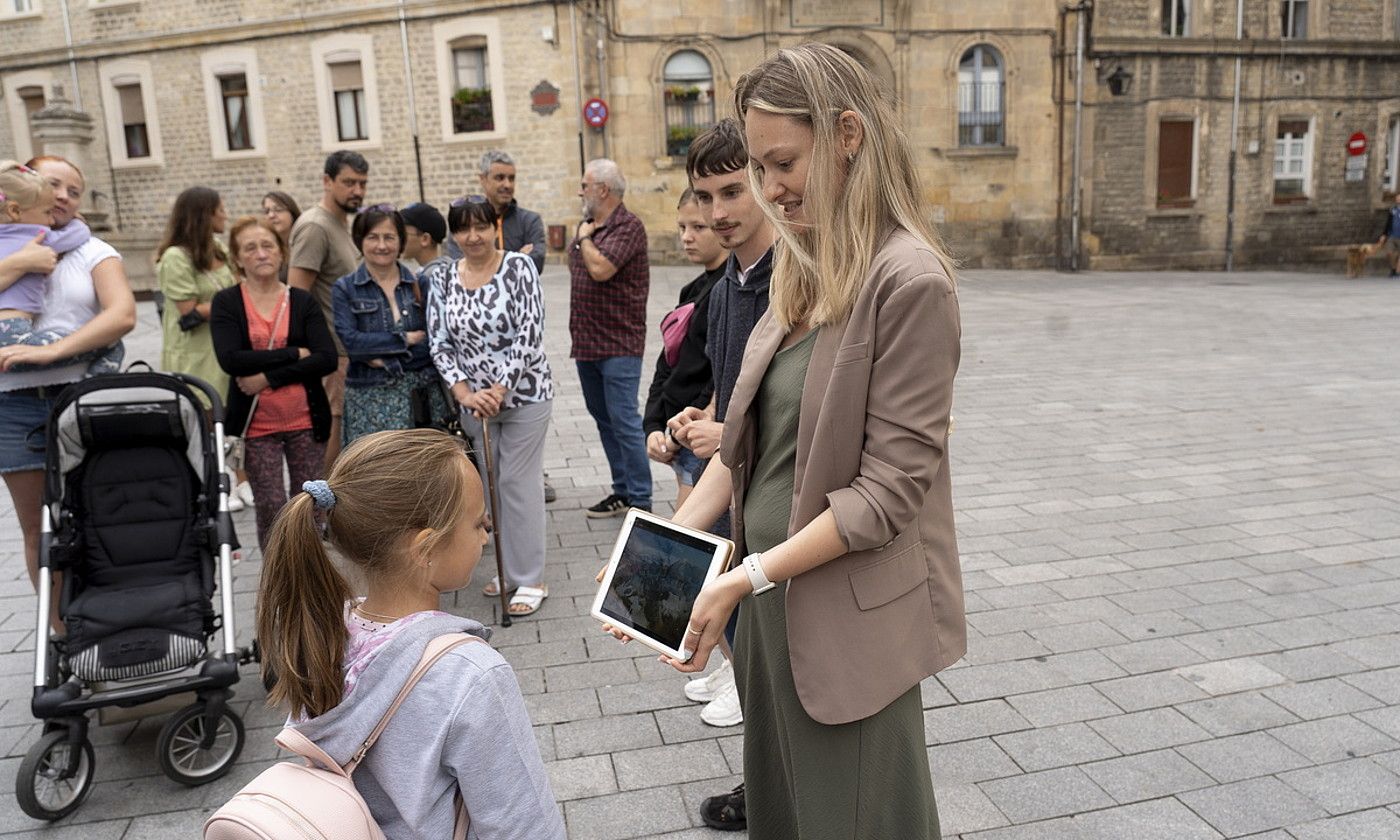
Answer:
x=464 y=725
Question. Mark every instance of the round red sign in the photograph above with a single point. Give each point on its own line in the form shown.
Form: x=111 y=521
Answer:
x=595 y=112
x=1356 y=144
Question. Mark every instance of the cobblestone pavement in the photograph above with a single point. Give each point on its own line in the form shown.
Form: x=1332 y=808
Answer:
x=1179 y=505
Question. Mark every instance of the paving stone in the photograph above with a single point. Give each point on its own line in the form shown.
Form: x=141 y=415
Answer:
x=668 y=765
x=1050 y=793
x=1334 y=739
x=1230 y=675
x=1152 y=655
x=1234 y=714
x=1244 y=756
x=631 y=814
x=964 y=809
x=1055 y=746
x=1063 y=705
x=1320 y=699
x=1376 y=824
x=1383 y=685
x=1147 y=691
x=971 y=720
x=602 y=735
x=1162 y=819
x=1251 y=806
x=1134 y=778
x=579 y=778
x=1346 y=785
x=966 y=762
x=1148 y=730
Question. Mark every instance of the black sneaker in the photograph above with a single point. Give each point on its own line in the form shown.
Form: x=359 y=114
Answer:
x=726 y=811
x=613 y=505
x=549 y=494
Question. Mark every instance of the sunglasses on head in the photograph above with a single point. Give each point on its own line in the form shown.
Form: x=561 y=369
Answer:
x=468 y=199
x=378 y=208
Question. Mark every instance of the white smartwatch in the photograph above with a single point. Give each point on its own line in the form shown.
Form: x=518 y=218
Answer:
x=753 y=567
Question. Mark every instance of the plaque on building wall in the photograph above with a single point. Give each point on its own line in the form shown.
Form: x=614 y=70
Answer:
x=544 y=98
x=838 y=12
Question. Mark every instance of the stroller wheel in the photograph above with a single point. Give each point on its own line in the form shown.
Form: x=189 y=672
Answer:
x=44 y=789
x=181 y=751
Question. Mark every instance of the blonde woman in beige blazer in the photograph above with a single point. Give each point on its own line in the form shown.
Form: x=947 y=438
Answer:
x=834 y=457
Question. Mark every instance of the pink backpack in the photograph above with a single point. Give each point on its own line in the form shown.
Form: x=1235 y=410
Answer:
x=673 y=329
x=317 y=800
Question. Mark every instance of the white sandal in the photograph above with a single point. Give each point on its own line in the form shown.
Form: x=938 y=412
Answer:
x=527 y=596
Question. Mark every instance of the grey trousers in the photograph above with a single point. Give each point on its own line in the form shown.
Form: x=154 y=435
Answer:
x=517 y=450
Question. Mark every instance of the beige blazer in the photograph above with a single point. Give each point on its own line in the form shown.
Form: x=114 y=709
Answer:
x=872 y=444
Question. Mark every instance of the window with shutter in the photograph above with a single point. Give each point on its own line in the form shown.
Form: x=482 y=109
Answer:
x=1175 y=154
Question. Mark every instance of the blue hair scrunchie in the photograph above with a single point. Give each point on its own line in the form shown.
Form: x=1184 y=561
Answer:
x=320 y=493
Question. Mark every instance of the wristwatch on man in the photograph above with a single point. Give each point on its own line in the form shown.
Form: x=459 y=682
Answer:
x=753 y=567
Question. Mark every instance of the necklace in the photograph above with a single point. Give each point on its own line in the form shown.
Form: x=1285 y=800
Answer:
x=377 y=616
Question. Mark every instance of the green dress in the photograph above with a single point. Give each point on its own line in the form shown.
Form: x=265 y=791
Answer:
x=866 y=780
x=190 y=352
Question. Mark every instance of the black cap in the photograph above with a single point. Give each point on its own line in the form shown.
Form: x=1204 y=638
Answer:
x=427 y=219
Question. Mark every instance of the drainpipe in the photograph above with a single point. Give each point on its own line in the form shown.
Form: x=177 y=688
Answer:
x=1234 y=140
x=412 y=103
x=578 y=84
x=1076 y=172
x=77 y=96
x=600 y=26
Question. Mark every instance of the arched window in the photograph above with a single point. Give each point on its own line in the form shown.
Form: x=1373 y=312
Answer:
x=981 y=98
x=689 y=86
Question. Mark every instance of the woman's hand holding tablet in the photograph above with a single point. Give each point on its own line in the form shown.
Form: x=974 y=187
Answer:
x=655 y=574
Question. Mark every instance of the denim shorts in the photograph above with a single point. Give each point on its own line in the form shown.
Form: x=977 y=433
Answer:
x=23 y=415
x=687 y=467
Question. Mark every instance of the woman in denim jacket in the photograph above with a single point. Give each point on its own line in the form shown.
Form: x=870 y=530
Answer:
x=379 y=318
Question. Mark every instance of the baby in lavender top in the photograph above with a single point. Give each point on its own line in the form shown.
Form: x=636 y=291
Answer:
x=26 y=205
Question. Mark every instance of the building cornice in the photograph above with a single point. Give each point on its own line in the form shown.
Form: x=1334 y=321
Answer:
x=316 y=23
x=1120 y=45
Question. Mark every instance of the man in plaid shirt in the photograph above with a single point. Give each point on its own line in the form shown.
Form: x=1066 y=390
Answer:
x=609 y=278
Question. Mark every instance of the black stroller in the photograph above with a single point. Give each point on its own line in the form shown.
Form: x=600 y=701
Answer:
x=135 y=515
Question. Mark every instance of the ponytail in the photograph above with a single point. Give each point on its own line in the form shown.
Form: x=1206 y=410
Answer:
x=300 y=615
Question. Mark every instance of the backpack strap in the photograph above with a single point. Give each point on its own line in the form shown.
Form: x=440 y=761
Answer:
x=436 y=649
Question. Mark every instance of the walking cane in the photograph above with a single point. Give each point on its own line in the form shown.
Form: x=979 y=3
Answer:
x=495 y=517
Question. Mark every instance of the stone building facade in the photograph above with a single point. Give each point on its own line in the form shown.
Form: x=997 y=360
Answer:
x=250 y=95
x=1314 y=74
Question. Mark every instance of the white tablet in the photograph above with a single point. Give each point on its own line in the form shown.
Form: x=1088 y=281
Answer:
x=654 y=575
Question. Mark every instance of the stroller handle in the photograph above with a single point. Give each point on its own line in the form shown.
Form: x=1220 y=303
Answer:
x=216 y=404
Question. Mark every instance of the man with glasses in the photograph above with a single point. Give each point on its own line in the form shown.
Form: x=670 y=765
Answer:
x=322 y=252
x=517 y=229
x=609 y=278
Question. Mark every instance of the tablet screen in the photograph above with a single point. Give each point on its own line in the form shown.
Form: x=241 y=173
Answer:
x=659 y=574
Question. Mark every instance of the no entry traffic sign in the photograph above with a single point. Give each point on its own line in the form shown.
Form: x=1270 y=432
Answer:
x=1356 y=144
x=595 y=112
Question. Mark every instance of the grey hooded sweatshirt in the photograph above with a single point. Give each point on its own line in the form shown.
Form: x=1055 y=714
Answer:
x=464 y=725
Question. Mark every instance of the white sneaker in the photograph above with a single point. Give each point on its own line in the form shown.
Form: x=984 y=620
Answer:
x=704 y=689
x=724 y=710
x=234 y=503
x=244 y=491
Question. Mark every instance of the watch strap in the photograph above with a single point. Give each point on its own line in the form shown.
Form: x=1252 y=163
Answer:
x=753 y=567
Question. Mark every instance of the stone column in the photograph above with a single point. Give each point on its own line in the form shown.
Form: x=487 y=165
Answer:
x=62 y=130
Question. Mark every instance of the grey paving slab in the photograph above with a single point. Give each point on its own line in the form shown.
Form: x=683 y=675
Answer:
x=1149 y=730
x=1346 y=785
x=1375 y=824
x=1134 y=778
x=1246 y=756
x=1251 y=806
x=1047 y=794
x=1055 y=746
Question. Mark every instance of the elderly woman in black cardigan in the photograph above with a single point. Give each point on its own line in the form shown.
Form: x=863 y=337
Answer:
x=274 y=344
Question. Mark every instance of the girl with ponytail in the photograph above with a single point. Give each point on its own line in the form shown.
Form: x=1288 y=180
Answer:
x=406 y=510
